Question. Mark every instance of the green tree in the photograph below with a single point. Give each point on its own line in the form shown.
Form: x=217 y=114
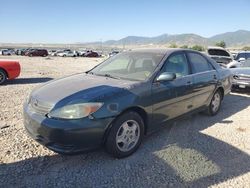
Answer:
x=221 y=44
x=198 y=48
x=173 y=45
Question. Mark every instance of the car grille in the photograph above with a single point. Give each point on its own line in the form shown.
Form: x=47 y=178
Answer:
x=39 y=107
x=242 y=78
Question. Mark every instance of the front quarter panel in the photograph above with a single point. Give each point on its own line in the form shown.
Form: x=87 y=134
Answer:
x=136 y=95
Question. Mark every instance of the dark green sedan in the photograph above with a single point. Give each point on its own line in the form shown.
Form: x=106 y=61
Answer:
x=123 y=99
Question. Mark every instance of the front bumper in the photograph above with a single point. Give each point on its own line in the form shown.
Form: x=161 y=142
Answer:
x=241 y=84
x=65 y=136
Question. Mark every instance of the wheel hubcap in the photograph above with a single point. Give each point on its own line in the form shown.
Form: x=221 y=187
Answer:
x=128 y=135
x=216 y=102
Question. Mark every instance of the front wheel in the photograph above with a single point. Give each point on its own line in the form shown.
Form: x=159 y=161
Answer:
x=3 y=77
x=215 y=103
x=125 y=135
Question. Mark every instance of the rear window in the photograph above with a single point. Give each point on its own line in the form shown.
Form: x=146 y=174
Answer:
x=240 y=55
x=218 y=52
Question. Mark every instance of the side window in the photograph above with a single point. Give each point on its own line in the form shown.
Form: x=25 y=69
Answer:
x=199 y=63
x=177 y=64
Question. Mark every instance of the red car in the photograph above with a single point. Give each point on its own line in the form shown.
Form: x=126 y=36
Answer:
x=9 y=69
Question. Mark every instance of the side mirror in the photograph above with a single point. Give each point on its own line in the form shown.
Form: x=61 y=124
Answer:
x=166 y=76
x=242 y=59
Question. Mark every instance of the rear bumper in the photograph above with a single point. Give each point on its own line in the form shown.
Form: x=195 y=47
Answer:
x=65 y=136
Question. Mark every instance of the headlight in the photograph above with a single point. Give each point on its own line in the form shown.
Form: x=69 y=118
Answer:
x=75 y=111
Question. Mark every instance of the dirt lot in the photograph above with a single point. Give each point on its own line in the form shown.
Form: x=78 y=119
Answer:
x=197 y=151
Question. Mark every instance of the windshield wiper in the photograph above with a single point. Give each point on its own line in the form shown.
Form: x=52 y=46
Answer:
x=111 y=76
x=106 y=75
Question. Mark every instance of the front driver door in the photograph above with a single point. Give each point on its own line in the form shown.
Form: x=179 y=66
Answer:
x=173 y=98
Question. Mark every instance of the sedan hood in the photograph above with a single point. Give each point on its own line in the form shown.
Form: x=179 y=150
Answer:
x=84 y=87
x=241 y=71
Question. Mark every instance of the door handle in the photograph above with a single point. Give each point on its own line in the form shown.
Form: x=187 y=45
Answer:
x=188 y=83
x=215 y=77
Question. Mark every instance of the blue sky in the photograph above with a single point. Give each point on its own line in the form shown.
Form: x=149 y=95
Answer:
x=70 y=21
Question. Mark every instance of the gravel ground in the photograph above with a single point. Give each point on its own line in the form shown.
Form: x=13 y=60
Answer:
x=196 y=151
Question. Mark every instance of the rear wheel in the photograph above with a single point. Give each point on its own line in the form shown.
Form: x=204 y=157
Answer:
x=125 y=135
x=215 y=103
x=3 y=76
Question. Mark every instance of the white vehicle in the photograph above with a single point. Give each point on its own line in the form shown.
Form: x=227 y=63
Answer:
x=223 y=57
x=67 y=54
x=7 y=52
x=51 y=52
x=242 y=56
x=81 y=53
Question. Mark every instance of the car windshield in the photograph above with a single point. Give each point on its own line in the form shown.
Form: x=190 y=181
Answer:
x=137 y=66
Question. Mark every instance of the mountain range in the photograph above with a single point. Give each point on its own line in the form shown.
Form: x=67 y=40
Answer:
x=232 y=39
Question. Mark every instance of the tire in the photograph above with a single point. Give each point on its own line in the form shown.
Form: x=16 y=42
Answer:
x=3 y=76
x=129 y=128
x=215 y=104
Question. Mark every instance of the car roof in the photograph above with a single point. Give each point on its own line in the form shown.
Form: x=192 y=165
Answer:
x=161 y=50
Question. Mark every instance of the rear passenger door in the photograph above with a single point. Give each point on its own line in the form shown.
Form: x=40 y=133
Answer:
x=204 y=79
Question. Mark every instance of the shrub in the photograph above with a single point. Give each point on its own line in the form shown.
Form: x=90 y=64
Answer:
x=173 y=45
x=246 y=48
x=198 y=48
x=221 y=44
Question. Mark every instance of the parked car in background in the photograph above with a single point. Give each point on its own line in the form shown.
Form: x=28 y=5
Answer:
x=82 y=52
x=24 y=51
x=51 y=52
x=7 y=52
x=223 y=57
x=242 y=56
x=91 y=54
x=9 y=69
x=241 y=76
x=113 y=53
x=67 y=54
x=124 y=98
x=56 y=52
x=37 y=52
x=19 y=51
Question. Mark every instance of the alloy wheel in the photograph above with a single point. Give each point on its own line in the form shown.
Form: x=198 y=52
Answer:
x=216 y=102
x=128 y=135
